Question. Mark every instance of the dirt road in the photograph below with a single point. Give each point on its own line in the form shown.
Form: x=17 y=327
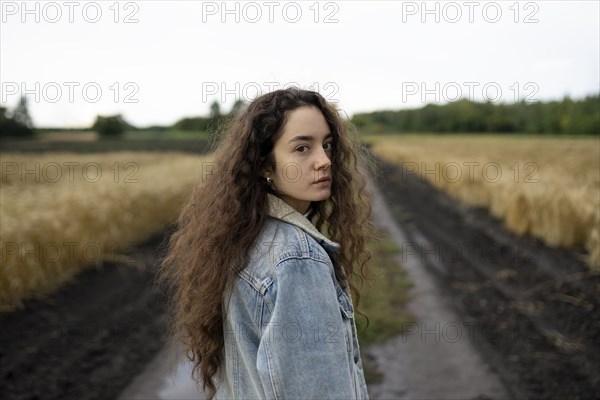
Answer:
x=436 y=359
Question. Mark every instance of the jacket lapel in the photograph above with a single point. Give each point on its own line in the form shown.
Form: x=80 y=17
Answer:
x=281 y=210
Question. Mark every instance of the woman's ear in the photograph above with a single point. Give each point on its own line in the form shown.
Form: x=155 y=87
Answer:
x=266 y=175
x=266 y=170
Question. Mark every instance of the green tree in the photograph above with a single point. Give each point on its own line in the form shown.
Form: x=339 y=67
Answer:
x=215 y=117
x=237 y=107
x=193 y=124
x=21 y=113
x=113 y=125
x=18 y=124
x=553 y=117
x=215 y=111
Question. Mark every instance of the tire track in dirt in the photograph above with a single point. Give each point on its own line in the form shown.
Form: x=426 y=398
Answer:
x=436 y=359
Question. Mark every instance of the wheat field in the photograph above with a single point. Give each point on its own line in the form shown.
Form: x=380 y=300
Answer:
x=547 y=187
x=63 y=212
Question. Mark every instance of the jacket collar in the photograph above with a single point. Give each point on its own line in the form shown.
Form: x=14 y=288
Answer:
x=281 y=210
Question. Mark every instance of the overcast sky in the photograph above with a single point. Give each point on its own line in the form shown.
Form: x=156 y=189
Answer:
x=158 y=61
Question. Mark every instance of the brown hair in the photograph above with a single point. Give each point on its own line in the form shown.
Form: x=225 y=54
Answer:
x=222 y=219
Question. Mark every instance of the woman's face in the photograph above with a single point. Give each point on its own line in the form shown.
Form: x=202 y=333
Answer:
x=302 y=157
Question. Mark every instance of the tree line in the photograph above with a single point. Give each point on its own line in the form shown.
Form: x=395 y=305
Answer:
x=554 y=117
x=213 y=121
x=18 y=124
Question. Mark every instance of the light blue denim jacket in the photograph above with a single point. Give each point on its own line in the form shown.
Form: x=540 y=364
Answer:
x=289 y=326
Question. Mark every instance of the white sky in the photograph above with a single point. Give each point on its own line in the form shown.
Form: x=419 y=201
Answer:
x=180 y=56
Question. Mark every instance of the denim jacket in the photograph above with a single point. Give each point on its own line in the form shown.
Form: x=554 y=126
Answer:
x=289 y=326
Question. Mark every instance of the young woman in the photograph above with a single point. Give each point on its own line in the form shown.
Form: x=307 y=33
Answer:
x=261 y=297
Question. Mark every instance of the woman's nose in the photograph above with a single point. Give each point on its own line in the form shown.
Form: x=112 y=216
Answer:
x=322 y=161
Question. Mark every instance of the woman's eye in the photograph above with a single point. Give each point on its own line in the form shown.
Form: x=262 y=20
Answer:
x=328 y=146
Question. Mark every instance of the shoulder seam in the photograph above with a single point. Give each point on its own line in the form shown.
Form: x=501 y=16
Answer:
x=301 y=258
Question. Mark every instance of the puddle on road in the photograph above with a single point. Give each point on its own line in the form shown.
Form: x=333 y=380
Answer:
x=167 y=377
x=180 y=385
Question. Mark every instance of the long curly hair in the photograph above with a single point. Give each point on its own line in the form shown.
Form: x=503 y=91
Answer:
x=226 y=212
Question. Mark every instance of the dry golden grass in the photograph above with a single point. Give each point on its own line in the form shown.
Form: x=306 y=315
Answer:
x=67 y=217
x=545 y=187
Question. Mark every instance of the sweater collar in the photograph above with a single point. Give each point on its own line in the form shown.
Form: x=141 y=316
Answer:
x=279 y=209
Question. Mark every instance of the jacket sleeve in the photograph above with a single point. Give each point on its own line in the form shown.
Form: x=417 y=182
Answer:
x=303 y=347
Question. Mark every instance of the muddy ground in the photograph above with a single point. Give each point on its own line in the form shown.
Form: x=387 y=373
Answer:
x=88 y=340
x=536 y=309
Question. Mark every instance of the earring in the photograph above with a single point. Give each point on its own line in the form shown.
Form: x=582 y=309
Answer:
x=269 y=180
